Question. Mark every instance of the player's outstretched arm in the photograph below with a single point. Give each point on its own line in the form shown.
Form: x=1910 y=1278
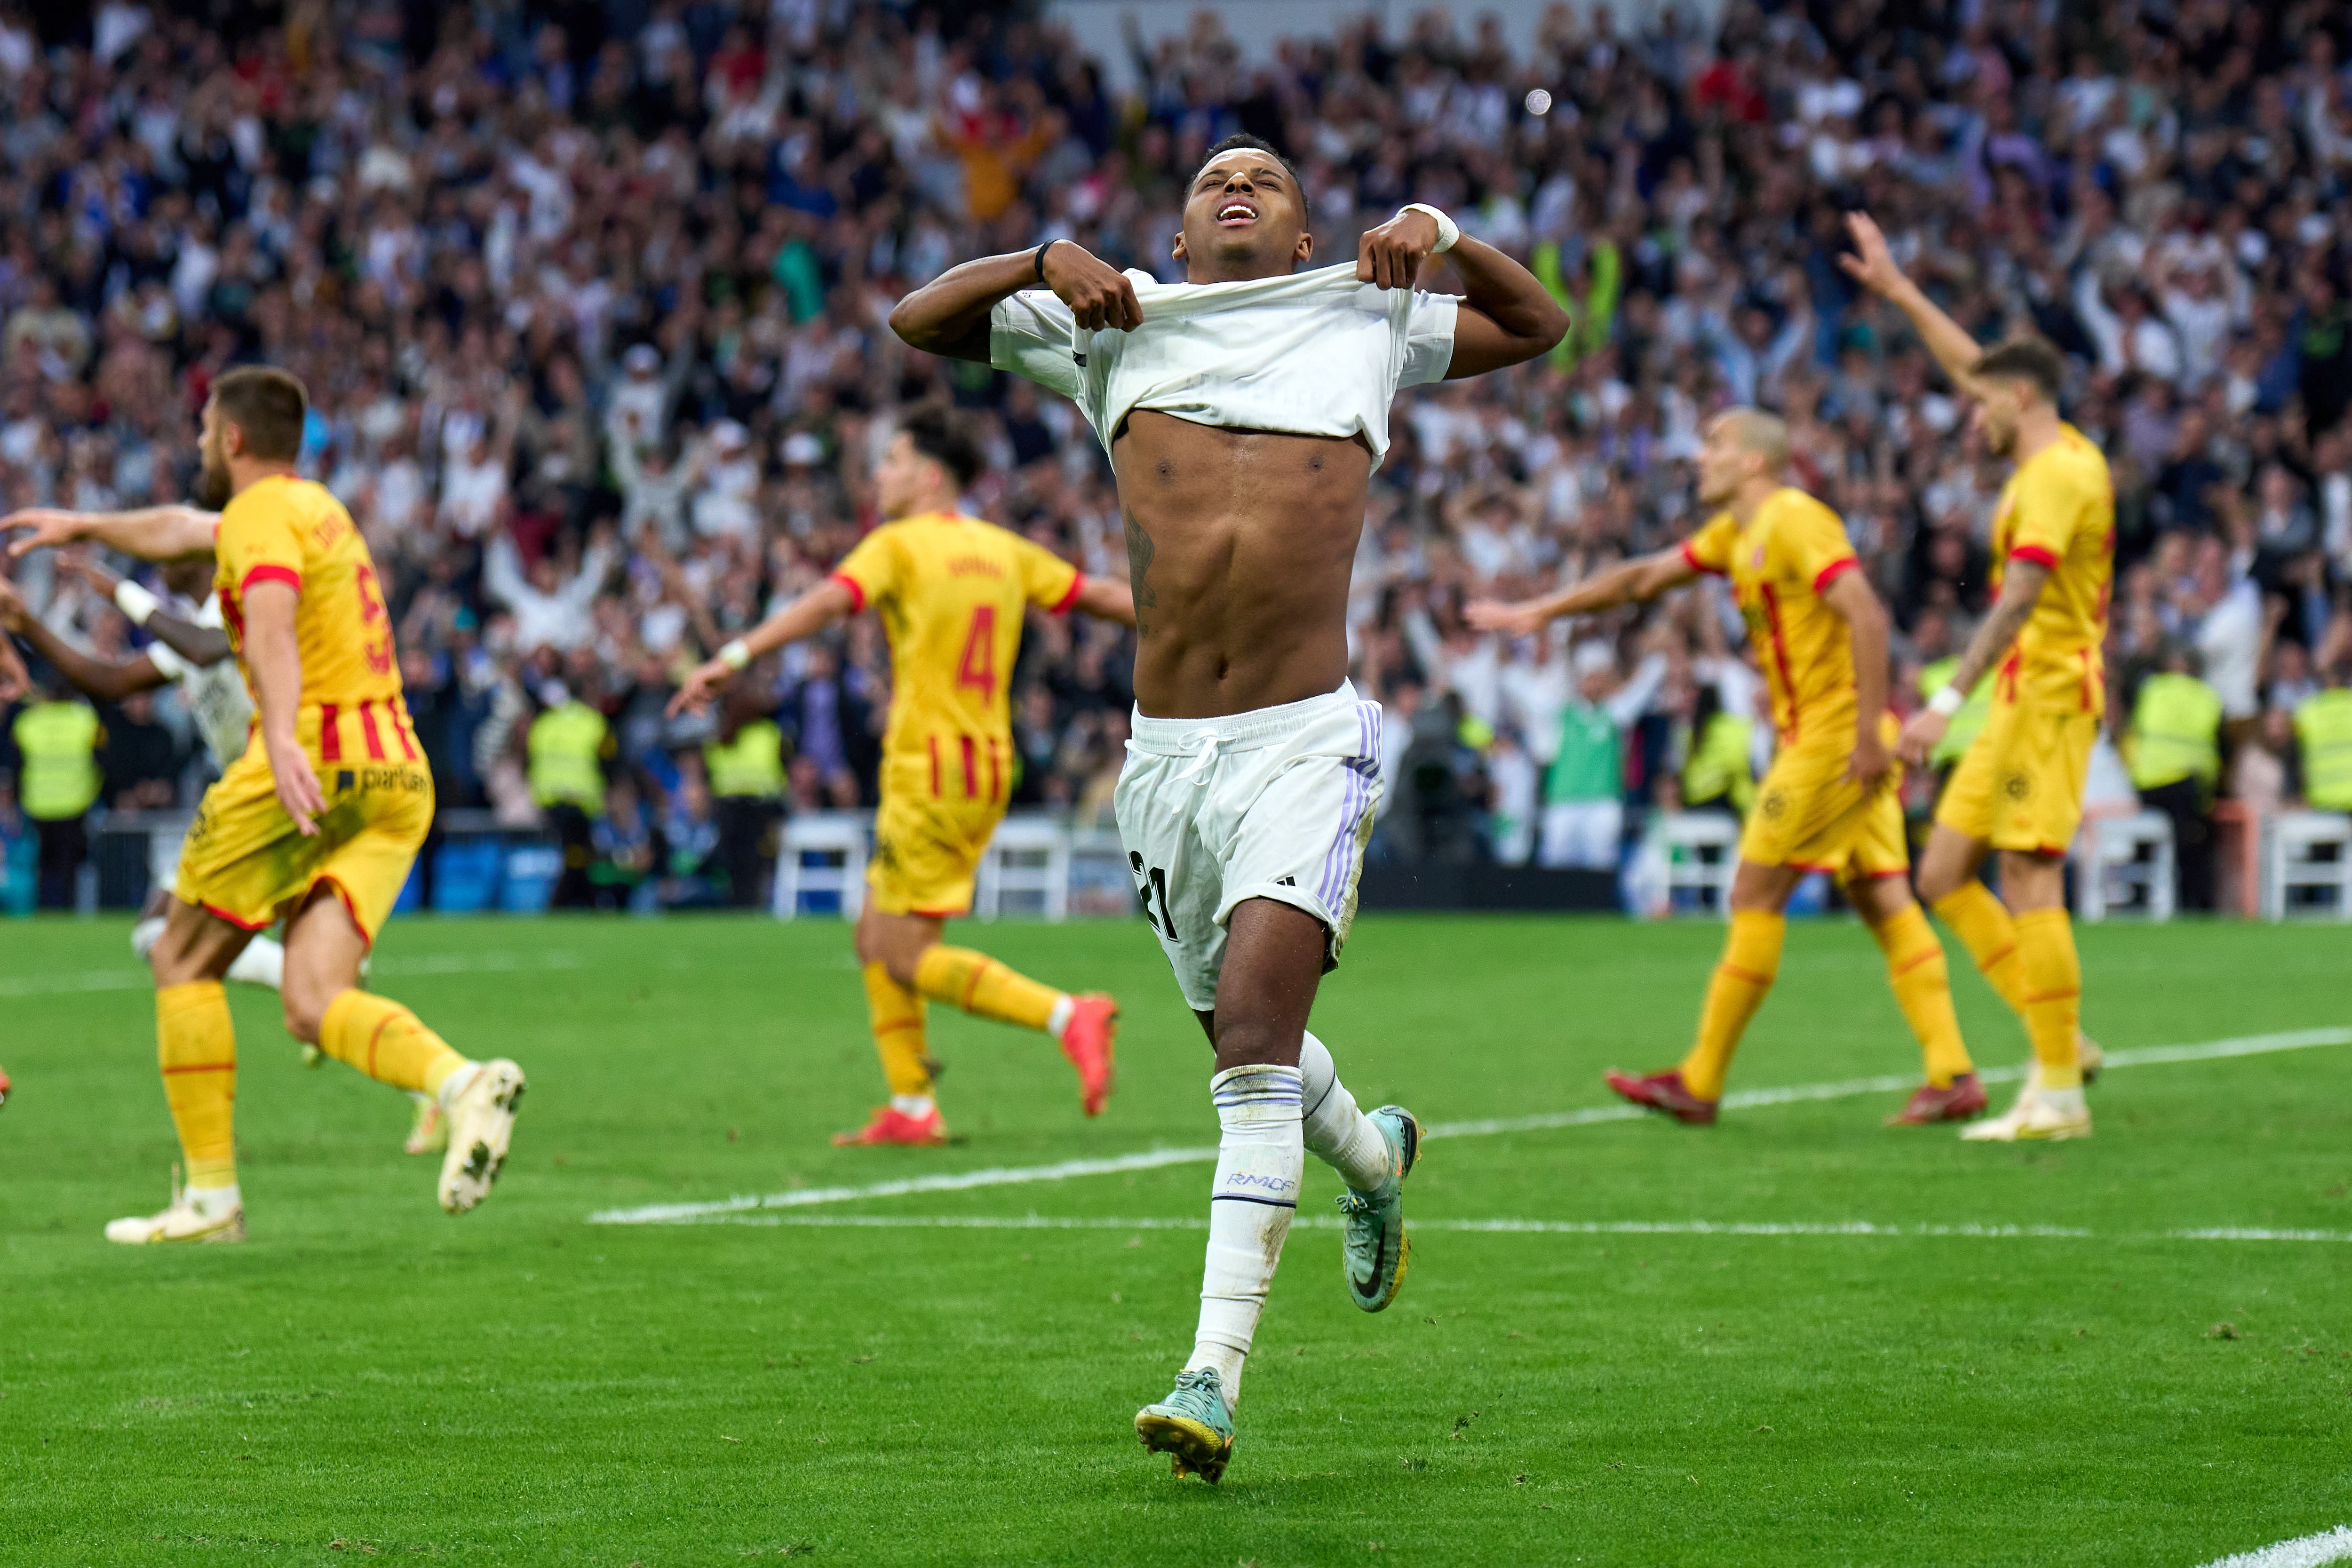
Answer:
x=805 y=616
x=948 y=315
x=201 y=646
x=94 y=678
x=273 y=659
x=1872 y=265
x=1643 y=578
x=1849 y=598
x=2020 y=586
x=151 y=534
x=1106 y=599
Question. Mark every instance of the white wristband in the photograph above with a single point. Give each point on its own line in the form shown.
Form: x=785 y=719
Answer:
x=1947 y=701
x=736 y=654
x=135 y=602
x=1447 y=231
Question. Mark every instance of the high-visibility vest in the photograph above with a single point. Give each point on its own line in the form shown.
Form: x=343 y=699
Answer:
x=1721 y=764
x=751 y=765
x=1968 y=722
x=59 y=741
x=2322 y=727
x=567 y=748
x=2176 y=733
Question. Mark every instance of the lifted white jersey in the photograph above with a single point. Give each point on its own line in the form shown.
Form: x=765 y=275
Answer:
x=214 y=693
x=1314 y=354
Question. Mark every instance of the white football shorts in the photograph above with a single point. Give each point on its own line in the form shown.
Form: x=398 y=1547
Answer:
x=1273 y=804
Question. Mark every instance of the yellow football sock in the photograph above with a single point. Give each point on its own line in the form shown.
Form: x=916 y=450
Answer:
x=2053 y=994
x=1752 y=959
x=1984 y=927
x=195 y=1045
x=1922 y=989
x=386 y=1041
x=898 y=1015
x=979 y=985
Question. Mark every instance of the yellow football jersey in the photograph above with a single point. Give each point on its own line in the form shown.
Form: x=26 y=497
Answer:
x=295 y=531
x=2059 y=509
x=1780 y=565
x=951 y=590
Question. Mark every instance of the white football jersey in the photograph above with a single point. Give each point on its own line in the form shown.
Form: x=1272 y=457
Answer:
x=214 y=693
x=1314 y=354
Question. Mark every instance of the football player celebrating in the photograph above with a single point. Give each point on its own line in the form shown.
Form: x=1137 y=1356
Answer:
x=951 y=590
x=1831 y=800
x=1244 y=410
x=315 y=824
x=2019 y=788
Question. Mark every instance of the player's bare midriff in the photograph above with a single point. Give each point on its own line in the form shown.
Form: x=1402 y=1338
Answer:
x=1239 y=544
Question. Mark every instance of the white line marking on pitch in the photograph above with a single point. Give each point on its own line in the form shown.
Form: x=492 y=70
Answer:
x=389 y=968
x=1149 y=1158
x=2304 y=1552
x=1522 y=1226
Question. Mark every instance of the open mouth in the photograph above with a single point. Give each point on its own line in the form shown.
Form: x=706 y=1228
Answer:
x=1234 y=212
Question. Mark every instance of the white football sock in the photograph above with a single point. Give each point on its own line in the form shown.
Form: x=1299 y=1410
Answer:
x=143 y=935
x=2065 y=1102
x=263 y=963
x=1337 y=1132
x=1059 y=1019
x=915 y=1105
x=1260 y=1161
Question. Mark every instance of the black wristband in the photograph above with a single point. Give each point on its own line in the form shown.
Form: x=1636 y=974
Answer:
x=1041 y=256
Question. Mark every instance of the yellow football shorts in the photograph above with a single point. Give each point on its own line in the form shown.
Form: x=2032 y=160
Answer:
x=927 y=847
x=245 y=862
x=1809 y=815
x=2019 y=783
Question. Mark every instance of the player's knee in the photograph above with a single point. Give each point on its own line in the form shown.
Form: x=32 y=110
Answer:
x=1937 y=881
x=1249 y=1043
x=305 y=1006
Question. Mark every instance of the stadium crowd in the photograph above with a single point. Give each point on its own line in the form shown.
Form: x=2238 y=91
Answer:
x=590 y=300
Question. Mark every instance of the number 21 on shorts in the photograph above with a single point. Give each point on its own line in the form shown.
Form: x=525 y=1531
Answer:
x=1149 y=884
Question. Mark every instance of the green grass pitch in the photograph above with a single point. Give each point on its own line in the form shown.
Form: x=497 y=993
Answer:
x=368 y=1376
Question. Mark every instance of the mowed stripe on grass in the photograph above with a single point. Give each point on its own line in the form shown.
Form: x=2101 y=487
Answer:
x=1152 y=1158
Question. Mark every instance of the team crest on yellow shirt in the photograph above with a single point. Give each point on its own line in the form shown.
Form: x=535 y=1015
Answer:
x=2017 y=787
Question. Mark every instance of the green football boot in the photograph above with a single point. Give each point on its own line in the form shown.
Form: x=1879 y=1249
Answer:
x=1193 y=1426
x=1374 y=1246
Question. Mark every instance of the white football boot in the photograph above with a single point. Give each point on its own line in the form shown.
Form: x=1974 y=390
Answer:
x=2039 y=1114
x=481 y=1116
x=429 y=1132
x=192 y=1216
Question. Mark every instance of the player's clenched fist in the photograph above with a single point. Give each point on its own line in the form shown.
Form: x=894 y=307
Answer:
x=1098 y=294
x=1391 y=256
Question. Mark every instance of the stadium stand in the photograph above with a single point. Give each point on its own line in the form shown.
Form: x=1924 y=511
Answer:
x=591 y=302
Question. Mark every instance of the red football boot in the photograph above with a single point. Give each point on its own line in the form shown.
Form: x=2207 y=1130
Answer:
x=1087 y=1040
x=892 y=1128
x=1664 y=1092
x=4 y=1088
x=1963 y=1100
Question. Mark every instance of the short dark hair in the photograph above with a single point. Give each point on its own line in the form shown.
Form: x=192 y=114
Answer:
x=1242 y=142
x=947 y=439
x=2026 y=359
x=269 y=406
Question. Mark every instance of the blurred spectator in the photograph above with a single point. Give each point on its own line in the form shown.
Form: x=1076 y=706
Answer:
x=745 y=764
x=1584 y=790
x=2174 y=748
x=141 y=760
x=56 y=739
x=569 y=747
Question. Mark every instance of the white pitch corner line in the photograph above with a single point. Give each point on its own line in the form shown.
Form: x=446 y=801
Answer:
x=1149 y=1158
x=2304 y=1552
